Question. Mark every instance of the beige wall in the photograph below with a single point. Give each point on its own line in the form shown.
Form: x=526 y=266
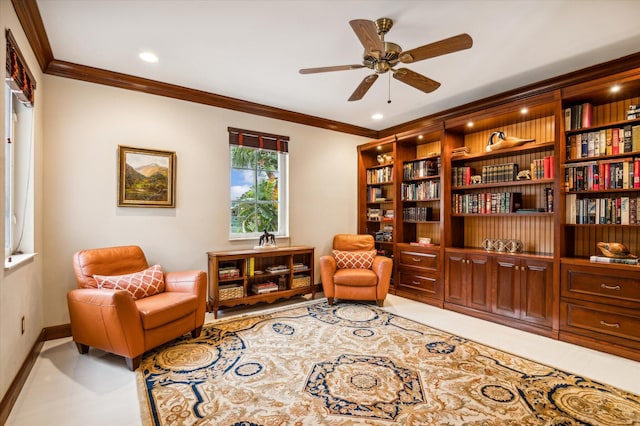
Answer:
x=86 y=122
x=21 y=287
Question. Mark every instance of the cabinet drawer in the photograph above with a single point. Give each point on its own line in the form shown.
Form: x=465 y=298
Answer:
x=418 y=260
x=589 y=319
x=422 y=281
x=596 y=285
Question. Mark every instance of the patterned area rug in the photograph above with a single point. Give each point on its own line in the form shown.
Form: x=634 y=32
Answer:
x=351 y=364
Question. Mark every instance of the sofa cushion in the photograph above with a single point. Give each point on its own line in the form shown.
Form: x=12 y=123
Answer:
x=354 y=259
x=355 y=277
x=163 y=308
x=140 y=284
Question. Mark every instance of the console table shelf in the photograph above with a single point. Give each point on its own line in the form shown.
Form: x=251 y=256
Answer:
x=246 y=277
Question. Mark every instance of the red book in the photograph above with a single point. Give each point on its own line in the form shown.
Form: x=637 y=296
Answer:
x=545 y=168
x=587 y=114
x=607 y=176
x=615 y=141
x=636 y=172
x=551 y=166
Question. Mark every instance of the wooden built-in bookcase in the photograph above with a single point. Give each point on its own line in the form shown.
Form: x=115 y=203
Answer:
x=547 y=284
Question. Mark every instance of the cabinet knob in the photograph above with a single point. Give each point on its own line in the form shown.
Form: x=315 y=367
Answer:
x=517 y=268
x=606 y=324
x=610 y=287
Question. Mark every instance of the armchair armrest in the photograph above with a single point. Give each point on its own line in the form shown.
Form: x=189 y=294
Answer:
x=328 y=269
x=193 y=282
x=383 y=267
x=106 y=319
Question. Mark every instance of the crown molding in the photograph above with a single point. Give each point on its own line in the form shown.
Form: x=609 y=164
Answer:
x=31 y=21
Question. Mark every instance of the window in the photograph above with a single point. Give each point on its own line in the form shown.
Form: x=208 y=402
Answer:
x=18 y=125
x=259 y=184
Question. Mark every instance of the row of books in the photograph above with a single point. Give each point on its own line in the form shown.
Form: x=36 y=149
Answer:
x=487 y=202
x=621 y=173
x=417 y=214
x=421 y=168
x=578 y=116
x=380 y=175
x=374 y=194
x=602 y=211
x=228 y=272
x=603 y=142
x=421 y=191
x=542 y=168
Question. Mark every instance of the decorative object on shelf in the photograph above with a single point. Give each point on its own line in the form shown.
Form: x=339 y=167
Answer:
x=476 y=179
x=487 y=244
x=548 y=195
x=514 y=246
x=633 y=112
x=266 y=240
x=616 y=250
x=524 y=175
x=380 y=158
x=463 y=150
x=504 y=141
x=384 y=159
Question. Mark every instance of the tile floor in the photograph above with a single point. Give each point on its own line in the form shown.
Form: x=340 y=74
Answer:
x=66 y=388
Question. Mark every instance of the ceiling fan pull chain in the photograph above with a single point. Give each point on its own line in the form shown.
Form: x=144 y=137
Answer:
x=389 y=95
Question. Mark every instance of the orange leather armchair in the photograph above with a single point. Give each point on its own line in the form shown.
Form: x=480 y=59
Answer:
x=113 y=321
x=355 y=284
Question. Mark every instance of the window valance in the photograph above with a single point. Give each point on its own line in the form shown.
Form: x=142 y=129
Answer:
x=18 y=76
x=255 y=139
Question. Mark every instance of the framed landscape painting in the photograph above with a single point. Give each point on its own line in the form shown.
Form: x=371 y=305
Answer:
x=146 y=177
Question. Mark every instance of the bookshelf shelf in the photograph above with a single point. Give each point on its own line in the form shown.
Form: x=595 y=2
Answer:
x=503 y=184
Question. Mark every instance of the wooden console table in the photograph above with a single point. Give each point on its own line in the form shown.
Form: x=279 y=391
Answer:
x=246 y=277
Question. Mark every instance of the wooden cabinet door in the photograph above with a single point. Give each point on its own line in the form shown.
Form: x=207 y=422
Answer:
x=478 y=282
x=506 y=297
x=456 y=278
x=536 y=304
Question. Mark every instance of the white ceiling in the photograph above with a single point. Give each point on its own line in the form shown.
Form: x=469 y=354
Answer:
x=252 y=49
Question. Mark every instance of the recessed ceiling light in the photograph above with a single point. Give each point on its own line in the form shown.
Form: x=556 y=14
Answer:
x=377 y=116
x=524 y=110
x=420 y=137
x=148 y=57
x=470 y=124
x=615 y=89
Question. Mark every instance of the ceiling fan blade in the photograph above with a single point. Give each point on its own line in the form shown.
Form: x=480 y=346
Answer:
x=363 y=87
x=442 y=47
x=327 y=69
x=416 y=80
x=367 y=34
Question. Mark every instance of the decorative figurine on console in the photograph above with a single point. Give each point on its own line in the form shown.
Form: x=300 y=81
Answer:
x=616 y=250
x=267 y=240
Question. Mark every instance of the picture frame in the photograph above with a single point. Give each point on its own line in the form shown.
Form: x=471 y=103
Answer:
x=146 y=177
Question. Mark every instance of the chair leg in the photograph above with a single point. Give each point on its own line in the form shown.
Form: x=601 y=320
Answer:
x=380 y=302
x=83 y=349
x=196 y=332
x=133 y=363
x=330 y=301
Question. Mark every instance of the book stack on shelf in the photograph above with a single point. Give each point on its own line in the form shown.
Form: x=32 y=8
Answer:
x=228 y=273
x=388 y=216
x=603 y=259
x=487 y=202
x=375 y=195
x=277 y=269
x=263 y=288
x=603 y=211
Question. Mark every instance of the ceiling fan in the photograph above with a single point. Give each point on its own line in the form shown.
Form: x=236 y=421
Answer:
x=382 y=56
